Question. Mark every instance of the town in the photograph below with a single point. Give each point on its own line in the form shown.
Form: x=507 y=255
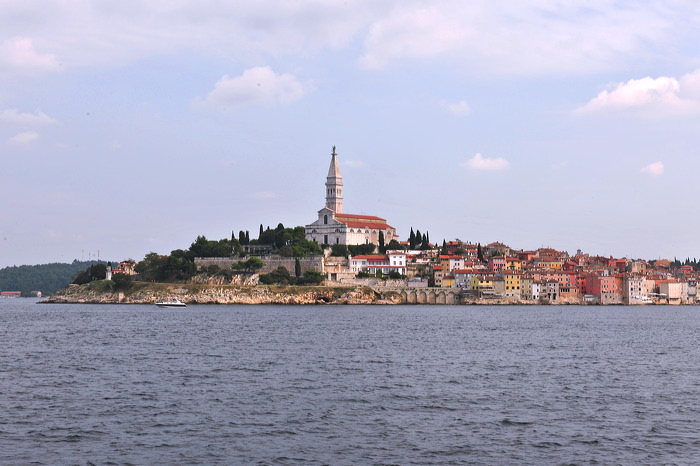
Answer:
x=344 y=249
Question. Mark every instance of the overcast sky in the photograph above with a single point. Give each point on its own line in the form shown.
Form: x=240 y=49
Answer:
x=128 y=126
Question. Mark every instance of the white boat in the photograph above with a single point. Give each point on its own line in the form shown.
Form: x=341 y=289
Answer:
x=171 y=303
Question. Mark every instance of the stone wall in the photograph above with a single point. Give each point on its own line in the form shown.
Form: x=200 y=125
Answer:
x=373 y=282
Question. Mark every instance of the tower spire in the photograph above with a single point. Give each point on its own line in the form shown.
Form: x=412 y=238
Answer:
x=334 y=185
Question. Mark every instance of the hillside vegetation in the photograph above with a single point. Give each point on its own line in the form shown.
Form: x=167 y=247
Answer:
x=47 y=278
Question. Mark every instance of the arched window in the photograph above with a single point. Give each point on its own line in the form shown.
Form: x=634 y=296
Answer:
x=325 y=219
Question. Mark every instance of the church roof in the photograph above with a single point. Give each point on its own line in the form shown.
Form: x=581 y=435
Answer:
x=363 y=221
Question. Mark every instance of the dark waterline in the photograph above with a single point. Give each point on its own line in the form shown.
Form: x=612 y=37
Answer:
x=348 y=384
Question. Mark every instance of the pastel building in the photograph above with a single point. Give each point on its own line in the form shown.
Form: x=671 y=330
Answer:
x=387 y=263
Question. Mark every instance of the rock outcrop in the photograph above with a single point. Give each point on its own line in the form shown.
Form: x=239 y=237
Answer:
x=97 y=293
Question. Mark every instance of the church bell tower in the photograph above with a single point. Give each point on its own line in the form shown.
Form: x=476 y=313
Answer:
x=334 y=186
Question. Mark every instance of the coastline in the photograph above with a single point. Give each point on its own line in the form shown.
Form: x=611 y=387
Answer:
x=99 y=292
x=150 y=293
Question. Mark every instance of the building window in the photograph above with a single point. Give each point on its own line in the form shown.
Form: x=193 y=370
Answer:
x=325 y=239
x=325 y=219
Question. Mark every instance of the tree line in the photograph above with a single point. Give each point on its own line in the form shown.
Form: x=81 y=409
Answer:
x=47 y=278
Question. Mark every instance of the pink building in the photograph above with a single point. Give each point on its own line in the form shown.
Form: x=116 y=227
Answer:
x=496 y=264
x=606 y=289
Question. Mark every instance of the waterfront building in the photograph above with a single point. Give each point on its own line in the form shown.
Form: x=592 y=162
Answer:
x=451 y=262
x=333 y=226
x=633 y=290
x=512 y=284
x=385 y=264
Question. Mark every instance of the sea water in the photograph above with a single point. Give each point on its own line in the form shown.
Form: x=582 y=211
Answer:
x=121 y=384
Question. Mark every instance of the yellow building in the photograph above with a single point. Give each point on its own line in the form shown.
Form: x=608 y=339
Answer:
x=448 y=281
x=482 y=285
x=513 y=263
x=512 y=283
x=548 y=263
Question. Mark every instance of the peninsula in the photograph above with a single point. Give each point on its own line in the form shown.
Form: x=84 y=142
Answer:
x=359 y=259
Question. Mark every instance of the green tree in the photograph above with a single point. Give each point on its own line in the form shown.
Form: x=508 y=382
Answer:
x=122 y=281
x=395 y=245
x=339 y=250
x=297 y=268
x=382 y=248
x=98 y=272
x=279 y=276
x=312 y=277
x=412 y=240
x=202 y=247
x=152 y=267
x=361 y=249
x=252 y=264
x=82 y=278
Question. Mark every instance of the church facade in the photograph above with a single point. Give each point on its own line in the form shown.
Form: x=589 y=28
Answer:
x=335 y=227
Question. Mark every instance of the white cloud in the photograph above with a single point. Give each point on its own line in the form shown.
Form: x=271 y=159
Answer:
x=525 y=38
x=481 y=36
x=654 y=169
x=23 y=139
x=97 y=33
x=13 y=116
x=18 y=57
x=412 y=33
x=460 y=108
x=479 y=162
x=649 y=96
x=259 y=85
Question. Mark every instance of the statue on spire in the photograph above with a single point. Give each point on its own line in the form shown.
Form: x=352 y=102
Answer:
x=333 y=153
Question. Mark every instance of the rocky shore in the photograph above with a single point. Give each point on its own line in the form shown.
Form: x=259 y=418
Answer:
x=147 y=293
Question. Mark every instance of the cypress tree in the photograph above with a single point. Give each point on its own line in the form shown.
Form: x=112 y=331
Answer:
x=419 y=238
x=247 y=237
x=427 y=237
x=261 y=232
x=297 y=268
x=412 y=240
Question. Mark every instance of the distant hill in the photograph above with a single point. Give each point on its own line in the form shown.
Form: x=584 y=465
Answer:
x=47 y=278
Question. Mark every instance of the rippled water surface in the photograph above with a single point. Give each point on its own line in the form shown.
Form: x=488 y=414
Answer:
x=348 y=384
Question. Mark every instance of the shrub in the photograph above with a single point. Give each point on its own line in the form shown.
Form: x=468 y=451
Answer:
x=122 y=281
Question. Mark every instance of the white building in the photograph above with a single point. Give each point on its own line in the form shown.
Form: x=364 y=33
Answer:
x=335 y=227
x=390 y=262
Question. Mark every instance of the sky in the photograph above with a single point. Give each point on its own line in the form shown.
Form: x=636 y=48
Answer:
x=128 y=126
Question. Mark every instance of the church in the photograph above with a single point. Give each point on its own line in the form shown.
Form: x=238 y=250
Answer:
x=335 y=227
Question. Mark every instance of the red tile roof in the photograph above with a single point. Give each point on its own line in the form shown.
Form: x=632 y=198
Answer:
x=372 y=258
x=363 y=221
